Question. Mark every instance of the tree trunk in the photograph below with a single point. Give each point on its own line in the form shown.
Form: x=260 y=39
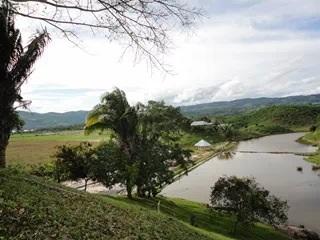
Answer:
x=3 y=148
x=129 y=191
x=235 y=225
x=85 y=184
x=140 y=192
x=2 y=156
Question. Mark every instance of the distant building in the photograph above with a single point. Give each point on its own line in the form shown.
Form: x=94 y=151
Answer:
x=202 y=144
x=200 y=123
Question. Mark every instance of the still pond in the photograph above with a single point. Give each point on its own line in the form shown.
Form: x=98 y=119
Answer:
x=273 y=162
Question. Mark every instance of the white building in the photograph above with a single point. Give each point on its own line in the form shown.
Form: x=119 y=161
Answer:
x=200 y=123
x=202 y=144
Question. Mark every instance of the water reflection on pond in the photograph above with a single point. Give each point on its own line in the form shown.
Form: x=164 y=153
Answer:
x=276 y=172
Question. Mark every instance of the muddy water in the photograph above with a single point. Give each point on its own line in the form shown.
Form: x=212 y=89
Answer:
x=271 y=160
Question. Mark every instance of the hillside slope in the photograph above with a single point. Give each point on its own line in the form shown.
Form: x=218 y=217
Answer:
x=242 y=105
x=32 y=208
x=50 y=120
x=35 y=120
x=286 y=116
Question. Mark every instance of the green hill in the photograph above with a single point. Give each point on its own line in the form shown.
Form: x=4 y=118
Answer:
x=290 y=117
x=32 y=208
x=35 y=120
x=246 y=104
x=275 y=119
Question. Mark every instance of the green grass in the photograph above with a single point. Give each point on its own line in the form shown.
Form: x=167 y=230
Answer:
x=314 y=139
x=213 y=224
x=32 y=148
x=33 y=208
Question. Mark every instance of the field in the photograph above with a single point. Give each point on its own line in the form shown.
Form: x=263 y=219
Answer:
x=33 y=208
x=34 y=148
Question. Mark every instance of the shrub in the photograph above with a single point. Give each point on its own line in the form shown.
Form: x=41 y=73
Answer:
x=247 y=202
x=43 y=170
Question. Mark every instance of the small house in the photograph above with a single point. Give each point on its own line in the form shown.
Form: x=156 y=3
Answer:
x=200 y=123
x=202 y=144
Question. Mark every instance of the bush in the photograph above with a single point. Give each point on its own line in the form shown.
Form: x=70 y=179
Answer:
x=43 y=170
x=247 y=202
x=75 y=162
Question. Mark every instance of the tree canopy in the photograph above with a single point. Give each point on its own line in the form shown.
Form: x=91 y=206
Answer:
x=145 y=149
x=247 y=201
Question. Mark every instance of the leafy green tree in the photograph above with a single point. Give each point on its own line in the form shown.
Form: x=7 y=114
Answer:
x=158 y=152
x=110 y=166
x=16 y=64
x=146 y=138
x=115 y=113
x=247 y=202
x=155 y=162
x=228 y=131
x=75 y=162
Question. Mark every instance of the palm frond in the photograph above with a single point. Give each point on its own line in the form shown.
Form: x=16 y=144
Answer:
x=22 y=68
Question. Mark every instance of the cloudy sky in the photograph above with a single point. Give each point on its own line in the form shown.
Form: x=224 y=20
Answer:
x=244 y=48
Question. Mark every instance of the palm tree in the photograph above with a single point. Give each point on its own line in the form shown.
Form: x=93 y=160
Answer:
x=16 y=63
x=115 y=113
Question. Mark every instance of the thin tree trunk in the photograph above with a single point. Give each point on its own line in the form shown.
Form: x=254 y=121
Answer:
x=85 y=184
x=129 y=191
x=3 y=147
x=2 y=156
x=235 y=225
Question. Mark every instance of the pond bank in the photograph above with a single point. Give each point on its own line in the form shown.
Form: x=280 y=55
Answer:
x=312 y=138
x=200 y=156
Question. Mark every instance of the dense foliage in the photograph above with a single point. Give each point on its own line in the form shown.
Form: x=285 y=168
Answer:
x=287 y=116
x=144 y=149
x=75 y=163
x=247 y=201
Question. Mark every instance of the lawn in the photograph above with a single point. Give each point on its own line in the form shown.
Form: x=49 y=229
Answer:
x=32 y=148
x=215 y=225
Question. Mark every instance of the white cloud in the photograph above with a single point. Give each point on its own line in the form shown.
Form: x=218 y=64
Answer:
x=246 y=49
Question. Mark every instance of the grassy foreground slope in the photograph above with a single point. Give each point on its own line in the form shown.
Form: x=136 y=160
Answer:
x=32 y=208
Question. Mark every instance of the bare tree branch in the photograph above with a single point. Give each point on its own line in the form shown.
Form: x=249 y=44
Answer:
x=143 y=25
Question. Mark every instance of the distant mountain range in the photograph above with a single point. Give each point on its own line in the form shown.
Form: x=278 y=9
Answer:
x=35 y=120
x=50 y=120
x=246 y=104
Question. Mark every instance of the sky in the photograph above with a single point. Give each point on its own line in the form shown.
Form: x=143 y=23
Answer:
x=242 y=48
